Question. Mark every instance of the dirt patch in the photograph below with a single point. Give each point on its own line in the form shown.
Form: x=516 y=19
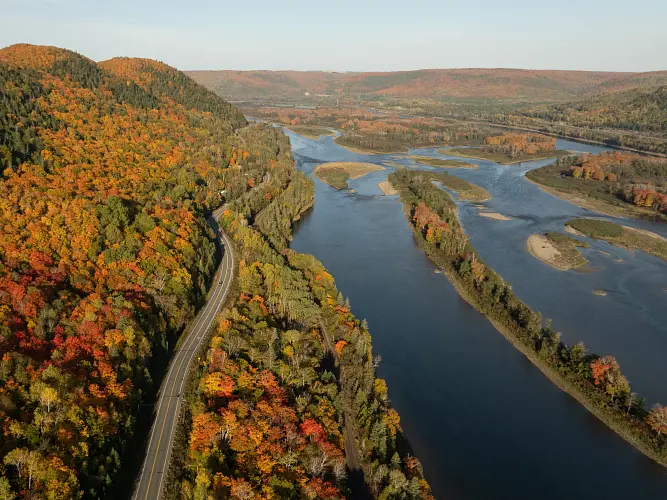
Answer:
x=494 y=216
x=387 y=188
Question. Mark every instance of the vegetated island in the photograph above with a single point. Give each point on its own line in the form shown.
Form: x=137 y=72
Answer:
x=336 y=174
x=310 y=131
x=626 y=237
x=438 y=162
x=506 y=149
x=614 y=183
x=557 y=250
x=595 y=381
x=466 y=190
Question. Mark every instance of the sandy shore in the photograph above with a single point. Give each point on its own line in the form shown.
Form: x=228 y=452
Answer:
x=571 y=230
x=541 y=248
x=494 y=216
x=387 y=188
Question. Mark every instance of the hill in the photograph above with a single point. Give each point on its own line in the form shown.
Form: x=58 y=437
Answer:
x=107 y=172
x=108 y=175
x=438 y=84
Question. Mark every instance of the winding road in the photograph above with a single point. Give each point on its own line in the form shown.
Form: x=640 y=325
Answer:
x=158 y=454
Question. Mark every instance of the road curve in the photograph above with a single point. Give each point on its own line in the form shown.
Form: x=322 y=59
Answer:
x=158 y=453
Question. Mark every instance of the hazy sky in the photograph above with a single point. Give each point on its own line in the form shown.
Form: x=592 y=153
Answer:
x=360 y=35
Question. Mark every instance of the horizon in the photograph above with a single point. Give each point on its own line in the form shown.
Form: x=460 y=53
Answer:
x=376 y=37
x=341 y=72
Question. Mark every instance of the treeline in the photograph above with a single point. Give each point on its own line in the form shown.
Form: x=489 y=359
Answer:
x=376 y=131
x=595 y=381
x=515 y=144
x=105 y=254
x=270 y=413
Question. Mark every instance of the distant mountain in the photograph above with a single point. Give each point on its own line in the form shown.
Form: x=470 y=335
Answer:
x=433 y=84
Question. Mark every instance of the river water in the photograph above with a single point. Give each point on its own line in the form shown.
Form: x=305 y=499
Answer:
x=484 y=421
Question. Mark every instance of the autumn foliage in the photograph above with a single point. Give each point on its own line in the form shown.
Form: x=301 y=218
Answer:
x=107 y=173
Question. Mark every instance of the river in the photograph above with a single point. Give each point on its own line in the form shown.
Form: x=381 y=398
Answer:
x=485 y=423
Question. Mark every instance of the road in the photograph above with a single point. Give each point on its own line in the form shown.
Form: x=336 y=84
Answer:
x=158 y=453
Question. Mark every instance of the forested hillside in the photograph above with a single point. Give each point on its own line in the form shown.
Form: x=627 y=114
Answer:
x=109 y=172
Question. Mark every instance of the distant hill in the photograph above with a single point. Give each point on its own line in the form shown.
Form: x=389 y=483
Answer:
x=434 y=84
x=642 y=110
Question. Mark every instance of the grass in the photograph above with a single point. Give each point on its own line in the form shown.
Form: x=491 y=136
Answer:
x=593 y=195
x=466 y=190
x=437 y=162
x=622 y=236
x=310 y=131
x=567 y=246
x=336 y=174
x=501 y=158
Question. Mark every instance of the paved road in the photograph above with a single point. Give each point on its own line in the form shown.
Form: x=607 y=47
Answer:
x=156 y=463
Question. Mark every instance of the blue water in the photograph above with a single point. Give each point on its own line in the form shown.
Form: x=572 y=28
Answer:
x=483 y=420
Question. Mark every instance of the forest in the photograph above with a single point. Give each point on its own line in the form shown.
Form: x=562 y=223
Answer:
x=104 y=254
x=595 y=381
x=109 y=172
x=288 y=372
x=371 y=131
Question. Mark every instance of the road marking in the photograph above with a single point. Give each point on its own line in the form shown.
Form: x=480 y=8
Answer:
x=203 y=320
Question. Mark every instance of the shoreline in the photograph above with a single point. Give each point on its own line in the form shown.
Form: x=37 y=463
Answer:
x=387 y=189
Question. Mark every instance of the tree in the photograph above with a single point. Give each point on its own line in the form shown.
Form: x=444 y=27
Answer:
x=657 y=419
x=6 y=492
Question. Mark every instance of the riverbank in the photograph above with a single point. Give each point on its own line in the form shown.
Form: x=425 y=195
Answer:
x=569 y=367
x=387 y=188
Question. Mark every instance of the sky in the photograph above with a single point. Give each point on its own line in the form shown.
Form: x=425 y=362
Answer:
x=344 y=35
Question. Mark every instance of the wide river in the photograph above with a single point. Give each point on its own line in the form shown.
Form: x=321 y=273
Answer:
x=484 y=421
